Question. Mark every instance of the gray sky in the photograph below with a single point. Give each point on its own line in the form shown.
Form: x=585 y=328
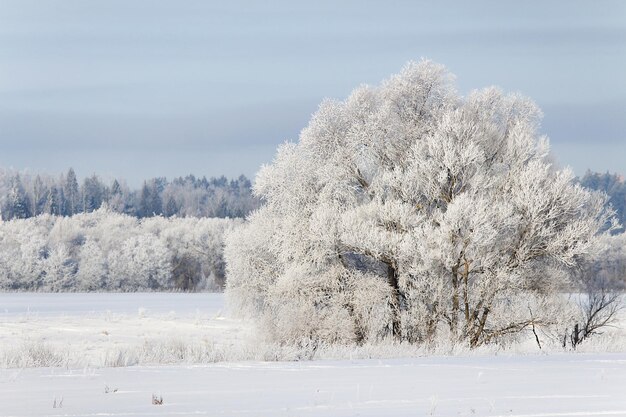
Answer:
x=139 y=88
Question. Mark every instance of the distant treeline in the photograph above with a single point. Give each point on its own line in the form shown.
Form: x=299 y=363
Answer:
x=24 y=195
x=612 y=184
x=107 y=251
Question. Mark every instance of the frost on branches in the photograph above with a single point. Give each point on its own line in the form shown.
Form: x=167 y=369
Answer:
x=410 y=212
x=108 y=251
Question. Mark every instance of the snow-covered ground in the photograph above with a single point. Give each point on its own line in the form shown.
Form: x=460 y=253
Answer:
x=553 y=385
x=83 y=335
x=25 y=304
x=110 y=329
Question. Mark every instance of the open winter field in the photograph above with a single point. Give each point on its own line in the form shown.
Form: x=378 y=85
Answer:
x=550 y=386
x=89 y=329
x=69 y=342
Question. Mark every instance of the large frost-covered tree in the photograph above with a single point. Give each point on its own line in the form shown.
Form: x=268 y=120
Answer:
x=409 y=211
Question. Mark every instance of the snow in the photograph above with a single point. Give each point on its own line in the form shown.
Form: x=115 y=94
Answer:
x=555 y=385
x=59 y=304
x=572 y=384
x=96 y=329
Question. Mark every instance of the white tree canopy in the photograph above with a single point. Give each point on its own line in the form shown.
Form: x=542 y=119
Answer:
x=410 y=211
x=104 y=250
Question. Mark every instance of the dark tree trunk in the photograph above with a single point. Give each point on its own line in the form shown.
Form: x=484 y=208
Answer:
x=392 y=280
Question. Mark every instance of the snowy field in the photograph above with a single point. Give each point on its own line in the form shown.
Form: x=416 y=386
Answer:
x=71 y=350
x=114 y=329
x=550 y=386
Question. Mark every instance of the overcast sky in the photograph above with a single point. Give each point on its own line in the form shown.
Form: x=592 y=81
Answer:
x=140 y=88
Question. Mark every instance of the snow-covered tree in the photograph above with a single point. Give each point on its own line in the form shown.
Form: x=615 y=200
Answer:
x=92 y=267
x=71 y=193
x=59 y=270
x=22 y=252
x=614 y=185
x=149 y=200
x=54 y=201
x=140 y=263
x=17 y=204
x=40 y=194
x=197 y=247
x=93 y=194
x=409 y=211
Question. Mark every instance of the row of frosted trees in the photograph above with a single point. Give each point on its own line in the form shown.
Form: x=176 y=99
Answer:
x=24 y=195
x=108 y=251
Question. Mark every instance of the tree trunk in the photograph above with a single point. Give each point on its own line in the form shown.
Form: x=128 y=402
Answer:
x=478 y=332
x=454 y=314
x=392 y=280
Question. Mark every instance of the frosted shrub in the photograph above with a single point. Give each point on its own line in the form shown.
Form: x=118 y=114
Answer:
x=33 y=353
x=410 y=212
